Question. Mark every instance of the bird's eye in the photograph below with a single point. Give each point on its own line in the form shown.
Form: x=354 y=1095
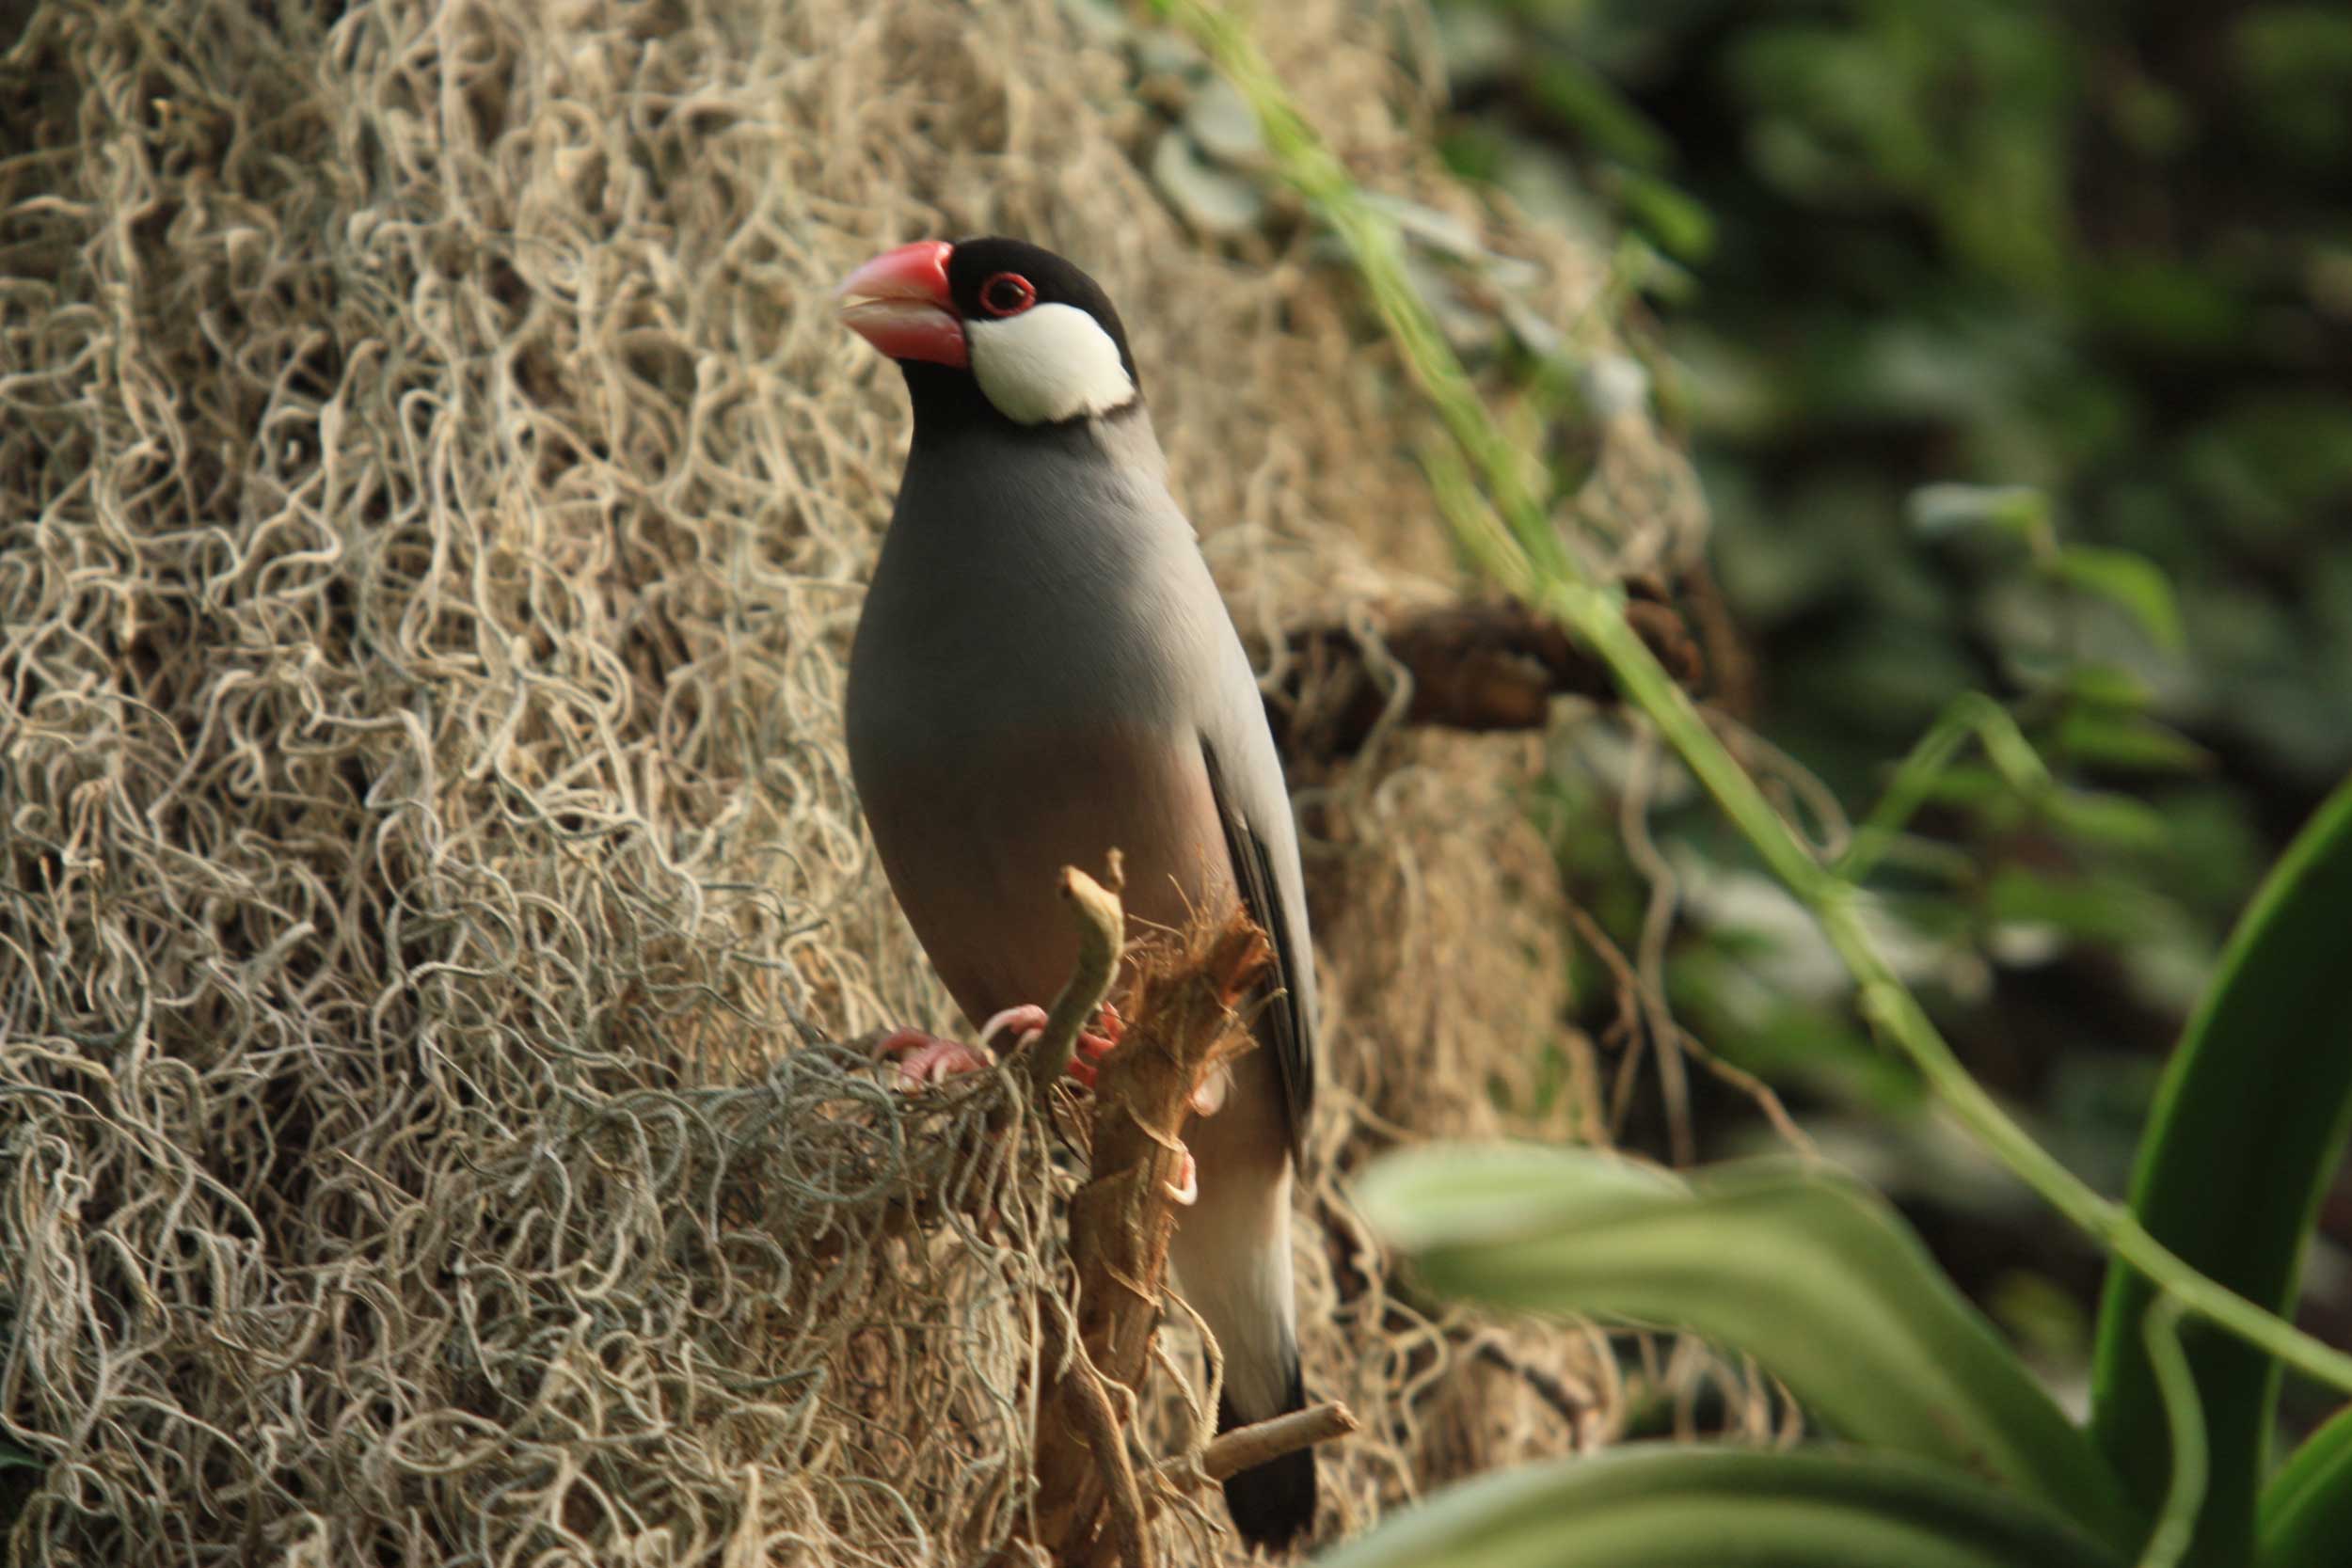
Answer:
x=1007 y=293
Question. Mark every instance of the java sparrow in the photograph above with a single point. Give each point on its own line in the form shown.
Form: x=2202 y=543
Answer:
x=1044 y=671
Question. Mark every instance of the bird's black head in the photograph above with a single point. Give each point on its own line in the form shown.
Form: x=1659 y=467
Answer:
x=1038 y=339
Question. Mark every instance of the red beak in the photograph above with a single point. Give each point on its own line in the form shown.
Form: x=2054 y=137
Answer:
x=899 y=303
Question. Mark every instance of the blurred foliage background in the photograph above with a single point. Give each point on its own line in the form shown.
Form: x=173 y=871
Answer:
x=2012 y=343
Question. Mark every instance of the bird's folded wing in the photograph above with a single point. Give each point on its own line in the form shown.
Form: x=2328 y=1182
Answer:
x=1270 y=891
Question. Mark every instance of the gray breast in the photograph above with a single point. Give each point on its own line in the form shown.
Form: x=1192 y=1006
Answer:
x=1028 y=588
x=1026 y=689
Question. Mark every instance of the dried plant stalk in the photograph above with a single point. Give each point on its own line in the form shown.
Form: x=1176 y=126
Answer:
x=1183 y=1025
x=1479 y=666
x=1246 y=1448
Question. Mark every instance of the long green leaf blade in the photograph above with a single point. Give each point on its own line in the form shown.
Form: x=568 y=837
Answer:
x=1661 y=1506
x=2306 y=1519
x=2249 y=1128
x=1808 y=1273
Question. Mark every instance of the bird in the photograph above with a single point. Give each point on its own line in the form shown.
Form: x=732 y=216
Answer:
x=1043 y=670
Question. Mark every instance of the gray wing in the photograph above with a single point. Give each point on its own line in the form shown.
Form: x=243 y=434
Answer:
x=1263 y=849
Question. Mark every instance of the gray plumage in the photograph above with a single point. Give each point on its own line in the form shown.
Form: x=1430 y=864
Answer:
x=1045 y=670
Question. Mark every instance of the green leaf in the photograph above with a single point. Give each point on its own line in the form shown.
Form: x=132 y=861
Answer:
x=2108 y=686
x=2099 y=908
x=2249 y=1128
x=2175 y=1531
x=1672 y=216
x=2126 y=740
x=1438 y=1194
x=1675 y=1506
x=2018 y=510
x=1589 y=103
x=1809 y=1273
x=2107 y=819
x=2306 y=1511
x=2128 y=579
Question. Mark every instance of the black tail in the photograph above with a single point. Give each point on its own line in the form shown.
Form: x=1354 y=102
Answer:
x=1274 y=1504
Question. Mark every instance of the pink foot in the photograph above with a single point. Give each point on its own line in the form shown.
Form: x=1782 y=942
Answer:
x=1025 y=1023
x=926 y=1059
x=1087 y=1065
x=1028 y=1020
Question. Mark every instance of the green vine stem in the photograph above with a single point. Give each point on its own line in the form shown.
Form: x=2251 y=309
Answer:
x=1534 y=561
x=2176 y=1524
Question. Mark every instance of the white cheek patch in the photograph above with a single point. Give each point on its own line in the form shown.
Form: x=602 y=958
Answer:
x=1050 y=362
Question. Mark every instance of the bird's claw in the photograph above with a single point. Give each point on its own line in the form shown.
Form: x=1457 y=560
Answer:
x=927 y=1059
x=1027 y=1021
x=1087 y=1066
x=1185 y=1189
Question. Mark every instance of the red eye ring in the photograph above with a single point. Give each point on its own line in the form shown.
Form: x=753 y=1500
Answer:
x=1006 y=293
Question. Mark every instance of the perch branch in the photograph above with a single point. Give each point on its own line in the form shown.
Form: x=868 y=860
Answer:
x=1182 y=1024
x=1090 y=1406
x=1246 y=1448
x=1101 y=940
x=1492 y=666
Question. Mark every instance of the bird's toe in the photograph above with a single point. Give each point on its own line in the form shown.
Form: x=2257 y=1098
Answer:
x=925 y=1059
x=1020 y=1022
